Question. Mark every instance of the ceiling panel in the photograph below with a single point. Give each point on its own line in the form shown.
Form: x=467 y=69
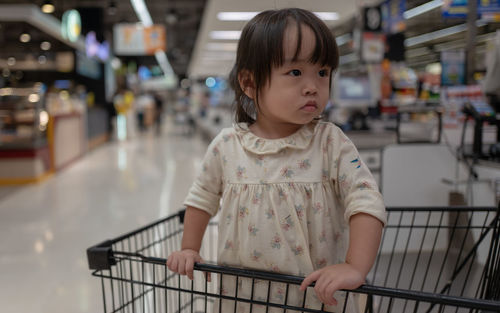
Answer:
x=202 y=64
x=189 y=48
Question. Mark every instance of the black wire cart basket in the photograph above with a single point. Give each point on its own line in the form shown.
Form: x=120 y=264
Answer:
x=440 y=259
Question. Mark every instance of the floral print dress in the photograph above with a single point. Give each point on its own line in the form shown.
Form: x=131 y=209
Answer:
x=283 y=204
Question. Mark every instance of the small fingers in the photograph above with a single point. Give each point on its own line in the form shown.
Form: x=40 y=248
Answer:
x=325 y=289
x=172 y=263
x=309 y=279
x=330 y=291
x=189 y=268
x=183 y=264
x=319 y=290
x=181 y=267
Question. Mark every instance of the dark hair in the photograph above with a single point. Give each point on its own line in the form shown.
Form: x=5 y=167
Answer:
x=261 y=47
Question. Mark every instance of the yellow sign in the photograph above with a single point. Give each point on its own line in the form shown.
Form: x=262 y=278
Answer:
x=123 y=102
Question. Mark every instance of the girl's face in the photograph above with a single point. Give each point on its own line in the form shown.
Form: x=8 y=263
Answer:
x=297 y=91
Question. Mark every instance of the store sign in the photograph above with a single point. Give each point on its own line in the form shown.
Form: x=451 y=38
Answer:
x=135 y=39
x=373 y=47
x=488 y=6
x=71 y=25
x=94 y=48
x=393 y=20
x=453 y=68
x=486 y=9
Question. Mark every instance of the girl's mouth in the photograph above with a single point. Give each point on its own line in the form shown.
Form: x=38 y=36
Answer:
x=310 y=106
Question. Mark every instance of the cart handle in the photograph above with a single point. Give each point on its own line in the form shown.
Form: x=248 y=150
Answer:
x=482 y=304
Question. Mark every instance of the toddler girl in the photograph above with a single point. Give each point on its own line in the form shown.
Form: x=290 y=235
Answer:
x=292 y=193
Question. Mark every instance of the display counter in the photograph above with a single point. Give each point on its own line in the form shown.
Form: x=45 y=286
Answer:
x=42 y=133
x=67 y=139
x=26 y=165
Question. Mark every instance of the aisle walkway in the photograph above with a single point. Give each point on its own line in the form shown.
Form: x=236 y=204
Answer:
x=46 y=228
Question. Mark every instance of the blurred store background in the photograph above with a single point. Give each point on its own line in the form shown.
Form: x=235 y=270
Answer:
x=78 y=74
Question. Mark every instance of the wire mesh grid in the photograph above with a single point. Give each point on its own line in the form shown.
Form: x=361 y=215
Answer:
x=431 y=260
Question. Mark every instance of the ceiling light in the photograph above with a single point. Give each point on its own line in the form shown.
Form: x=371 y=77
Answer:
x=162 y=60
x=225 y=34
x=434 y=68
x=44 y=118
x=33 y=98
x=219 y=55
x=246 y=16
x=42 y=59
x=413 y=41
x=343 y=39
x=171 y=17
x=210 y=82
x=422 y=9
x=11 y=61
x=116 y=63
x=460 y=43
x=236 y=16
x=222 y=46
x=348 y=58
x=45 y=45
x=327 y=16
x=25 y=37
x=48 y=7
x=142 y=12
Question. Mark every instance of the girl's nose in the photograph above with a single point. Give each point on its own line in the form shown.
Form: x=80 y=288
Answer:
x=310 y=88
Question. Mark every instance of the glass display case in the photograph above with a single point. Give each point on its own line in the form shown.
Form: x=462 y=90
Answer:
x=23 y=118
x=25 y=155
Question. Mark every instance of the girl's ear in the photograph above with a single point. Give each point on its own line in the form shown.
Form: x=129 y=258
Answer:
x=247 y=84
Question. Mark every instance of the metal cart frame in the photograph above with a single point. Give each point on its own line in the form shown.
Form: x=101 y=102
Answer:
x=441 y=259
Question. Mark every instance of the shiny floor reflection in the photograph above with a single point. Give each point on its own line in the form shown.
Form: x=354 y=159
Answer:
x=46 y=228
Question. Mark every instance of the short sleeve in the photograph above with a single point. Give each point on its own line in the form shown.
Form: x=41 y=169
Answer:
x=205 y=193
x=356 y=187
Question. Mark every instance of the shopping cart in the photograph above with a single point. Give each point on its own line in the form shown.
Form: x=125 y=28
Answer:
x=443 y=259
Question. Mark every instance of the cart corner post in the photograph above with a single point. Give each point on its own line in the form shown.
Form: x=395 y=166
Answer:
x=100 y=257
x=182 y=214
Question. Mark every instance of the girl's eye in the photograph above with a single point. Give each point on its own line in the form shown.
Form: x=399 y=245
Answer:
x=295 y=72
x=323 y=73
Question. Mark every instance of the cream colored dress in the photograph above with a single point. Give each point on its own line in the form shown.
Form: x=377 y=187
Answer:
x=284 y=205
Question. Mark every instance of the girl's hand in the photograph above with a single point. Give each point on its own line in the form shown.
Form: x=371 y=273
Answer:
x=332 y=278
x=182 y=262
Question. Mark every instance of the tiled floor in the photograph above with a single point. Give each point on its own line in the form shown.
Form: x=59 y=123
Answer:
x=46 y=228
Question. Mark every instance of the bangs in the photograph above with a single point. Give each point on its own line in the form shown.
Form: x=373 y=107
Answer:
x=325 y=50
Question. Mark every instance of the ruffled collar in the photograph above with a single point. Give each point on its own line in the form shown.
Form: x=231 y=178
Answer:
x=298 y=140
